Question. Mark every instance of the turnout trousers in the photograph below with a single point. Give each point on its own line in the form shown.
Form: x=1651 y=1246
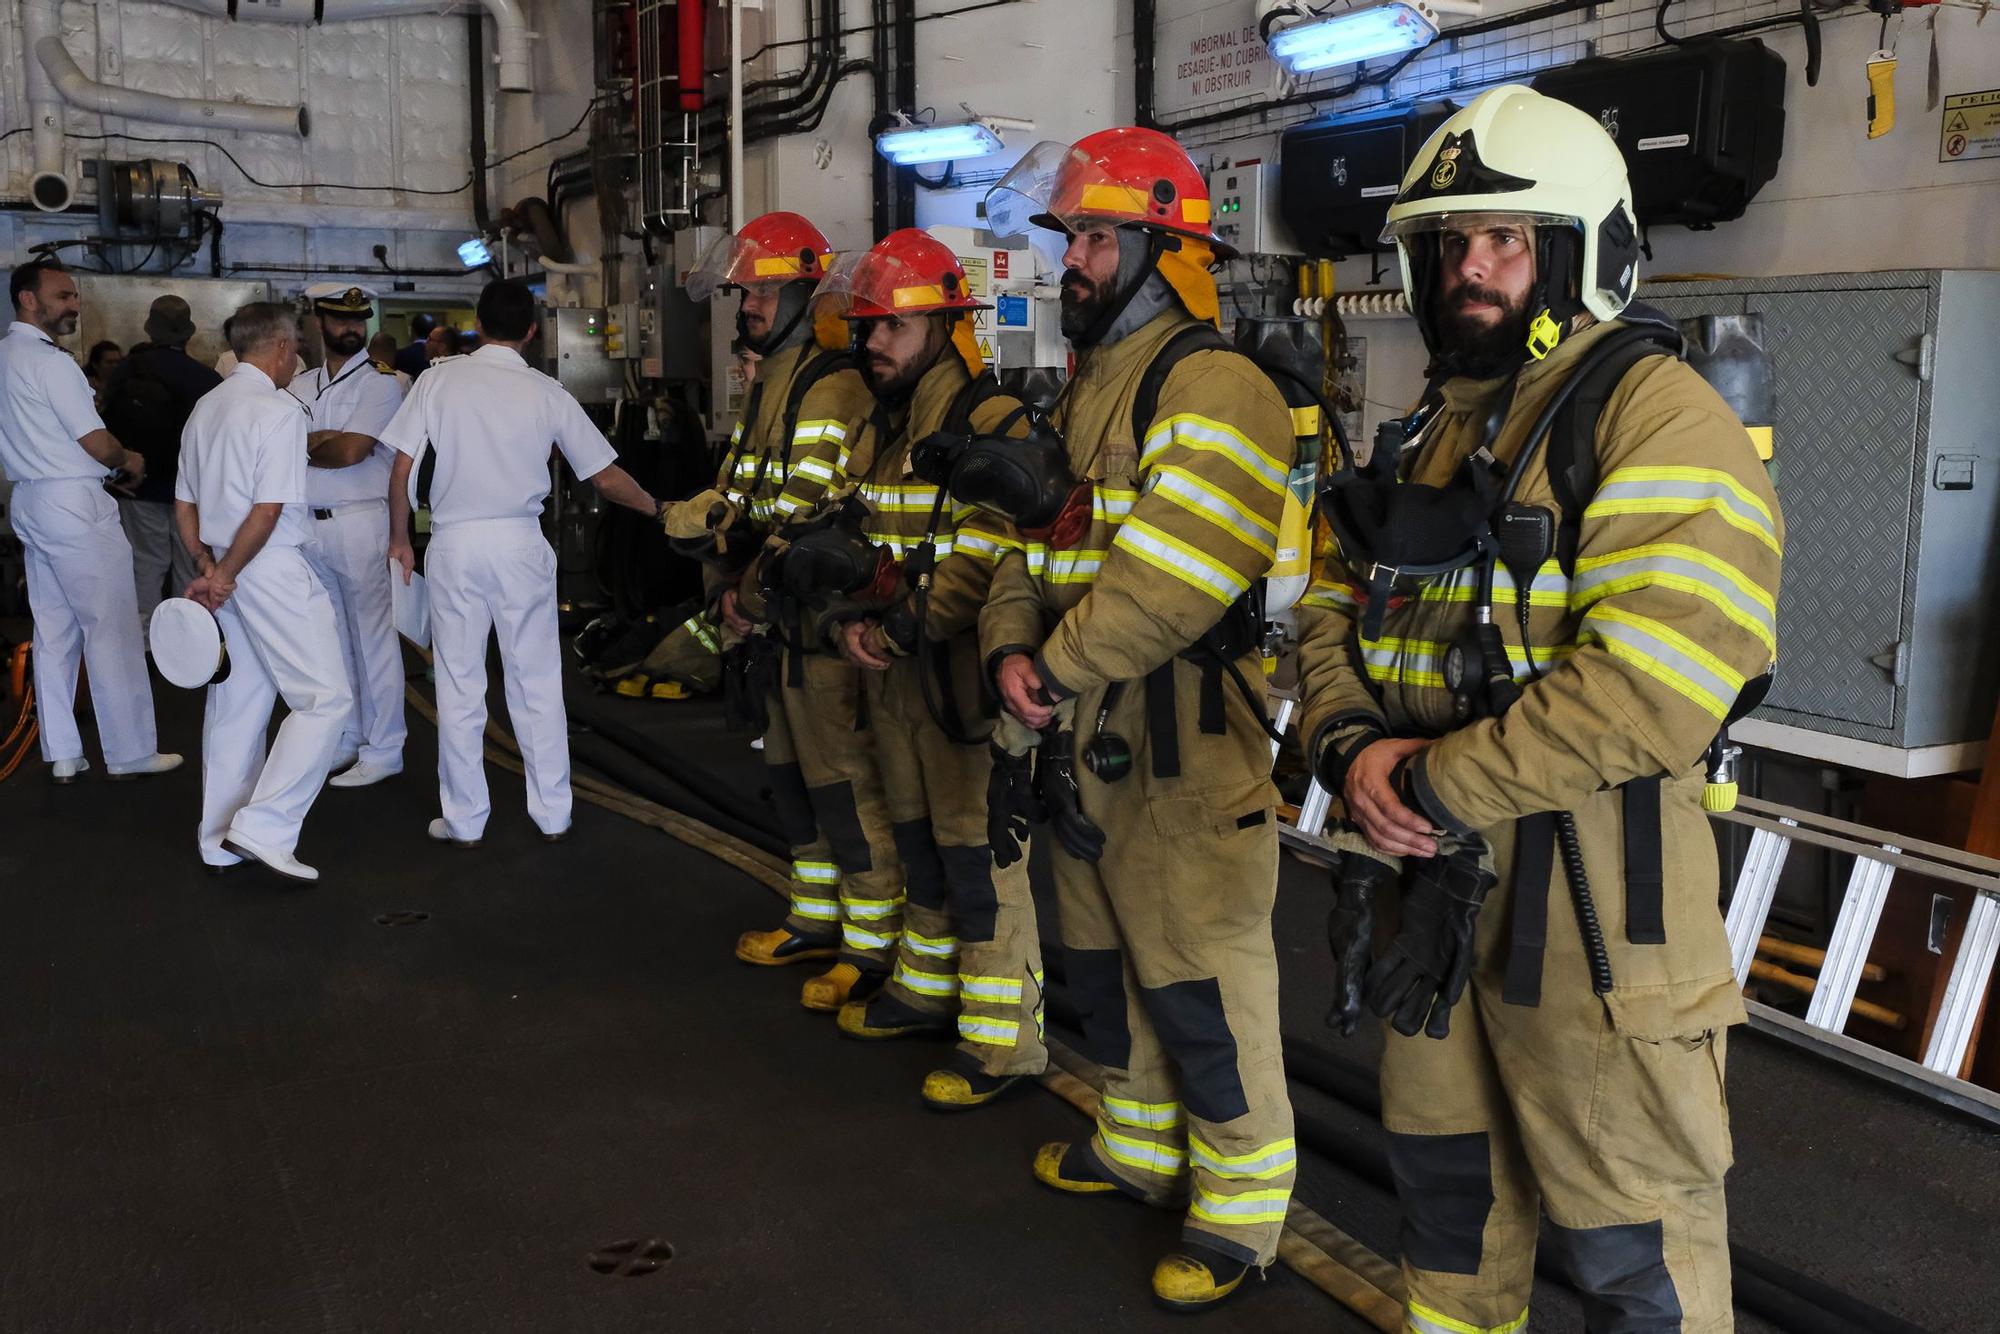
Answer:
x=1607 y=1115
x=498 y=577
x=819 y=753
x=1169 y=961
x=350 y=552
x=279 y=627
x=969 y=940
x=86 y=614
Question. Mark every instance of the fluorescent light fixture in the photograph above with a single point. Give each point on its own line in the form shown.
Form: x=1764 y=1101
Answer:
x=474 y=254
x=914 y=145
x=1355 y=35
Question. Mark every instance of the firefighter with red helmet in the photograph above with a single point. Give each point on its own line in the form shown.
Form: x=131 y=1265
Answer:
x=888 y=590
x=823 y=779
x=1133 y=617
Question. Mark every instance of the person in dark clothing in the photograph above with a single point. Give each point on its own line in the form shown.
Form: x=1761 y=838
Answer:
x=412 y=359
x=147 y=400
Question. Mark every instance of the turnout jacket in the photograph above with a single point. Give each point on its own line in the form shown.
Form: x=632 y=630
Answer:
x=760 y=459
x=1183 y=521
x=1671 y=607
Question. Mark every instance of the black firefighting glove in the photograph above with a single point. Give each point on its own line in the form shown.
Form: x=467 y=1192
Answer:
x=1055 y=784
x=1358 y=879
x=750 y=675
x=1415 y=984
x=1011 y=804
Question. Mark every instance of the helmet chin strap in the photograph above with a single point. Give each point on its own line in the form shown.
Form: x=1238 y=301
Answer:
x=1553 y=303
x=791 y=294
x=1156 y=246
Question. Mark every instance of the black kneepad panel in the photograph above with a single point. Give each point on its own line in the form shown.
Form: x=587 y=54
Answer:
x=793 y=806
x=1445 y=1185
x=1195 y=1031
x=923 y=871
x=833 y=807
x=1095 y=981
x=1620 y=1272
x=974 y=905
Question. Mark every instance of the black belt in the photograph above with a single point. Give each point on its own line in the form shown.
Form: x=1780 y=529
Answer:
x=322 y=514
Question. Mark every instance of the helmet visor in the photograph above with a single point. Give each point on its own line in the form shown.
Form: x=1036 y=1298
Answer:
x=1466 y=223
x=731 y=260
x=869 y=284
x=1021 y=201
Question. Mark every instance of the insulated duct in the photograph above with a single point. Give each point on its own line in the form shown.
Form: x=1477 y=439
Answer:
x=51 y=187
x=509 y=18
x=80 y=90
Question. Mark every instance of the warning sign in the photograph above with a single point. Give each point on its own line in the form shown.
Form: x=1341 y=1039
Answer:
x=1000 y=258
x=1971 y=127
x=1210 y=56
x=975 y=275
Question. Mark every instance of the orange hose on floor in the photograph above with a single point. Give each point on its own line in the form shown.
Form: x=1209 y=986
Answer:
x=27 y=744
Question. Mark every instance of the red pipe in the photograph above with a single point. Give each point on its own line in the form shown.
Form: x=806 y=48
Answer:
x=691 y=46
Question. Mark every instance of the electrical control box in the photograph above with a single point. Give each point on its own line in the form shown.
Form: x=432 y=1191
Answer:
x=574 y=352
x=1245 y=200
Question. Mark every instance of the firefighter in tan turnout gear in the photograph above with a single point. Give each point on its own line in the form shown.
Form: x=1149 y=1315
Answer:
x=891 y=595
x=1627 y=583
x=1129 y=611
x=845 y=880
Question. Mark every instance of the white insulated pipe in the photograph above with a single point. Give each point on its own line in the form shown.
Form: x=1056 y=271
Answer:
x=80 y=90
x=736 y=126
x=510 y=18
x=50 y=188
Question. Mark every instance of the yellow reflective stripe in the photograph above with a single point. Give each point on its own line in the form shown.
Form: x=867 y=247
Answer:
x=1184 y=562
x=1422 y=1319
x=926 y=984
x=978 y=544
x=1550 y=587
x=1207 y=436
x=991 y=1032
x=1161 y=1159
x=1666 y=655
x=817 y=469
x=811 y=433
x=855 y=937
x=1671 y=490
x=1143 y=1115
x=815 y=909
x=917 y=498
x=1111 y=503
x=1324 y=592
x=999 y=990
x=1241 y=1209
x=1684 y=569
x=1188 y=491
x=937 y=947
x=871 y=910
x=816 y=873
x=1272 y=1160
x=919 y=294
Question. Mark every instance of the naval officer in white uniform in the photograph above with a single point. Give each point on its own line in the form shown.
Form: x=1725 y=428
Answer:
x=55 y=450
x=490 y=420
x=239 y=503
x=351 y=399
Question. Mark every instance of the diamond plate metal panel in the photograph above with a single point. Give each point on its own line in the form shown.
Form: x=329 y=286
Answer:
x=1846 y=432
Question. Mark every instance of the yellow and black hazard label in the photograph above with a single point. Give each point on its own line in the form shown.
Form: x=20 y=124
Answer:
x=1971 y=127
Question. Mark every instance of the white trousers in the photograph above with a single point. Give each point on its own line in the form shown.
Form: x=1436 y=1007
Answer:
x=157 y=551
x=350 y=553
x=497 y=576
x=80 y=590
x=279 y=627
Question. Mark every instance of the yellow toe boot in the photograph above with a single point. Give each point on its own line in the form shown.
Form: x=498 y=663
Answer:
x=771 y=949
x=1067 y=1167
x=836 y=986
x=1196 y=1279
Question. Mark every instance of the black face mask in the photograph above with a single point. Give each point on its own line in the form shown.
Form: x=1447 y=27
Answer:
x=1475 y=350
x=346 y=344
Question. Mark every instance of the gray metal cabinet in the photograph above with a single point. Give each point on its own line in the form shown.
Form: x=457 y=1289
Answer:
x=1888 y=453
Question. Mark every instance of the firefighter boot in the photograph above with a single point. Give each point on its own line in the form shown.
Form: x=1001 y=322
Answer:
x=963 y=1085
x=783 y=945
x=836 y=986
x=1196 y=1279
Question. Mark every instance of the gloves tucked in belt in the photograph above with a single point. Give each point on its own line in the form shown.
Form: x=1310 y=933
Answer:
x=1011 y=803
x=749 y=679
x=1055 y=784
x=1424 y=973
x=1358 y=878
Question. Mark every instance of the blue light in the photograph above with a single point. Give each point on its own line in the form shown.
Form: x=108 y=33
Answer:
x=474 y=254
x=1353 y=36
x=915 y=145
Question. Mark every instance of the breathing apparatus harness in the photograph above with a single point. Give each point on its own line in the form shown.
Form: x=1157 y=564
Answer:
x=1390 y=530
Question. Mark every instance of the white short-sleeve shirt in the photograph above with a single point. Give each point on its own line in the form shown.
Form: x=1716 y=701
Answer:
x=45 y=407
x=245 y=445
x=492 y=419
x=362 y=398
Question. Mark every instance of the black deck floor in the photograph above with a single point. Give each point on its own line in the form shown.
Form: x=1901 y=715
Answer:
x=233 y=1104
